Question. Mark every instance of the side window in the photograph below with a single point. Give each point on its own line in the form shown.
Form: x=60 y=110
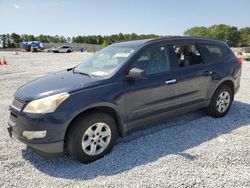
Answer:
x=154 y=60
x=187 y=55
x=213 y=52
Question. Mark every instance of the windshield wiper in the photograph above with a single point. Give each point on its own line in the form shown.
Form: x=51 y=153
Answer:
x=83 y=73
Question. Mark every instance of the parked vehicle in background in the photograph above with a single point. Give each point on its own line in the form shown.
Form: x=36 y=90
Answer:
x=62 y=49
x=246 y=54
x=47 y=50
x=32 y=46
x=83 y=110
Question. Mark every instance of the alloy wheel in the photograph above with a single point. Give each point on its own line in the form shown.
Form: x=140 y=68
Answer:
x=96 y=139
x=223 y=102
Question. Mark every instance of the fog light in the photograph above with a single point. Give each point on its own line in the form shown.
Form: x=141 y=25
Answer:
x=34 y=134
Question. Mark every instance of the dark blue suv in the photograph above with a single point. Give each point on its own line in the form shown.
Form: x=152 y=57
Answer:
x=82 y=110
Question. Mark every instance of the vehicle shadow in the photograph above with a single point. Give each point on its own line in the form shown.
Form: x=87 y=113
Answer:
x=148 y=145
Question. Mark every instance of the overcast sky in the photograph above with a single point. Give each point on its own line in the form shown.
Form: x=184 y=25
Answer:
x=88 y=17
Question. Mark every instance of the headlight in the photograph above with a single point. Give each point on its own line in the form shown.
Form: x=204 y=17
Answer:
x=46 y=105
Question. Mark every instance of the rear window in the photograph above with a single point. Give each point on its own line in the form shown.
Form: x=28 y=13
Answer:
x=212 y=52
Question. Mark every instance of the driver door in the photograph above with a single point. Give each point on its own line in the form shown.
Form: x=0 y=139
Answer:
x=151 y=96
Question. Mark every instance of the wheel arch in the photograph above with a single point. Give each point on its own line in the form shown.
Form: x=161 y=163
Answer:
x=100 y=108
x=228 y=82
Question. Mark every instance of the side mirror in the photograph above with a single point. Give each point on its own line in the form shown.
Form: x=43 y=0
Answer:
x=136 y=73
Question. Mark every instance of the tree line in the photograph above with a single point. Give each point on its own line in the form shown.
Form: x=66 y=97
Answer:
x=109 y=39
x=230 y=34
x=13 y=40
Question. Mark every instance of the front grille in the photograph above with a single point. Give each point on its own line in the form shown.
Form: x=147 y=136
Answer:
x=17 y=104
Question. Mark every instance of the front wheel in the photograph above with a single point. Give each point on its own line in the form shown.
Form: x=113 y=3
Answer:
x=91 y=137
x=221 y=101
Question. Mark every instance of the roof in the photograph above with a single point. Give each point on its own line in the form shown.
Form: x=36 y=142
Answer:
x=134 y=43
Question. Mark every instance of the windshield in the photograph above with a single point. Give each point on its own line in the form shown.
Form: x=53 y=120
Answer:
x=106 y=61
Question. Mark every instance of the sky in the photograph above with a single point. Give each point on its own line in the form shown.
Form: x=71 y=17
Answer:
x=91 y=17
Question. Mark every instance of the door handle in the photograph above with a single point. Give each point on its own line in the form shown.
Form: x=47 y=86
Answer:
x=207 y=73
x=170 y=81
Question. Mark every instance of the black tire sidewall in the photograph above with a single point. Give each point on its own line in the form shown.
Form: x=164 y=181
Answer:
x=213 y=111
x=79 y=128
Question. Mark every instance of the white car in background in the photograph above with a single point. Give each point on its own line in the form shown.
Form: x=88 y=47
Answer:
x=62 y=49
x=246 y=54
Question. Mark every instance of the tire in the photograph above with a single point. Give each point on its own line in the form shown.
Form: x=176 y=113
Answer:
x=221 y=101
x=68 y=51
x=83 y=139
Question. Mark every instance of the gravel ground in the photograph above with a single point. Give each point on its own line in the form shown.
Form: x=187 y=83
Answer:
x=193 y=150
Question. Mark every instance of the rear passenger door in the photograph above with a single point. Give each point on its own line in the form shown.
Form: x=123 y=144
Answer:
x=218 y=60
x=192 y=76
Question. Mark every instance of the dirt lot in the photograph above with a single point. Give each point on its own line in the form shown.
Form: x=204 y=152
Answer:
x=193 y=150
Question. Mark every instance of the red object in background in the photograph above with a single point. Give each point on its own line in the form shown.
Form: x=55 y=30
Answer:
x=239 y=61
x=3 y=62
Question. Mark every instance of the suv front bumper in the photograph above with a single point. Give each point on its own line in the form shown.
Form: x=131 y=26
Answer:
x=51 y=144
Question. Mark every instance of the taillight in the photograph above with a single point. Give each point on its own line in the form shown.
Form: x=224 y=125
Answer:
x=239 y=61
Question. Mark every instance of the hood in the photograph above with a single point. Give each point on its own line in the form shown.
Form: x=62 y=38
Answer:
x=63 y=81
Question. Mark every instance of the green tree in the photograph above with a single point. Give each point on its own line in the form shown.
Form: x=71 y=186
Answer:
x=3 y=41
x=232 y=36
x=244 y=37
x=109 y=39
x=16 y=38
x=133 y=36
x=99 y=39
x=121 y=37
x=68 y=40
x=78 y=39
x=229 y=34
x=104 y=44
x=42 y=38
x=198 y=32
x=25 y=37
x=218 y=31
x=10 y=42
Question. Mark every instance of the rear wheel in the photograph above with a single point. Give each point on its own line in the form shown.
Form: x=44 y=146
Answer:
x=91 y=137
x=221 y=101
